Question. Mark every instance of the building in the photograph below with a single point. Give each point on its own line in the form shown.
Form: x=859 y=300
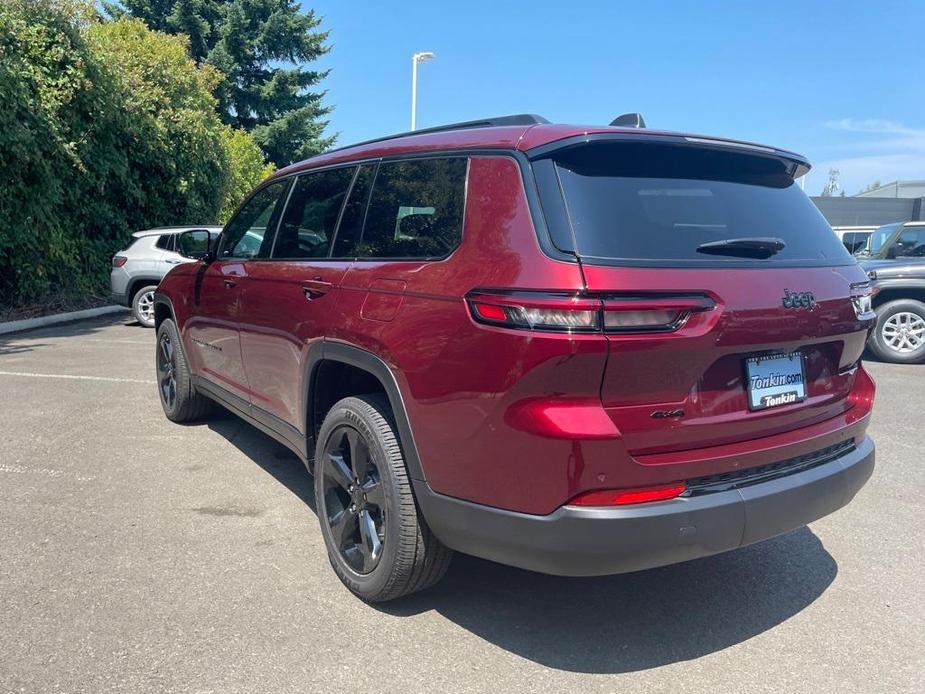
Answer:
x=899 y=201
x=896 y=189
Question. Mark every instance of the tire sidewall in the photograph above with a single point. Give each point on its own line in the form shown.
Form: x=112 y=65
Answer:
x=880 y=347
x=136 y=312
x=373 y=583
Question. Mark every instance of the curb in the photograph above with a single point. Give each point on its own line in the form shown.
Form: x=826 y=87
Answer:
x=15 y=326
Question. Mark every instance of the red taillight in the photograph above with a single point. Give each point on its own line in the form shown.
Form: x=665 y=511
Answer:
x=582 y=313
x=536 y=311
x=622 y=497
x=636 y=314
x=119 y=260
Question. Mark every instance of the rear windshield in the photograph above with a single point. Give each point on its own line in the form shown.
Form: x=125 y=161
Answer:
x=648 y=203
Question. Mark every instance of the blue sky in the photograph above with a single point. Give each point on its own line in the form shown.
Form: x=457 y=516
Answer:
x=841 y=82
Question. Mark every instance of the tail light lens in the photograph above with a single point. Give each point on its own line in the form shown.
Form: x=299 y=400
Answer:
x=534 y=311
x=651 y=314
x=575 y=313
x=862 y=300
x=624 y=497
x=119 y=260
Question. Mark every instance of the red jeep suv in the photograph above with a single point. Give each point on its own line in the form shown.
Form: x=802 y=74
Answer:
x=576 y=350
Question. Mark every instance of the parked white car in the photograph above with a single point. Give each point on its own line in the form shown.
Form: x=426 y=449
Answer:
x=854 y=237
x=137 y=270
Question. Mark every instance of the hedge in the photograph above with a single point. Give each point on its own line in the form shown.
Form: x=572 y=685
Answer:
x=105 y=128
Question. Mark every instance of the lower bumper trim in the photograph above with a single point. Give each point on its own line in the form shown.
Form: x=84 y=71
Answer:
x=577 y=541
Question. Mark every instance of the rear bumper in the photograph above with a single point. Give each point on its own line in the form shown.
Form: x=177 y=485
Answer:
x=575 y=541
x=118 y=285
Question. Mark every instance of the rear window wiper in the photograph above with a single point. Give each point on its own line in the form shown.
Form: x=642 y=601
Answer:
x=752 y=247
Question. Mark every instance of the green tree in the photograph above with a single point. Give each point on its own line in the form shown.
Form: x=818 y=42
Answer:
x=246 y=169
x=260 y=47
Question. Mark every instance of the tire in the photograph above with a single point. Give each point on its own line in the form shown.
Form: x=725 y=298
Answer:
x=175 y=389
x=377 y=540
x=143 y=305
x=899 y=336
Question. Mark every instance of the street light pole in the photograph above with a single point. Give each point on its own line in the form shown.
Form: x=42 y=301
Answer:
x=415 y=59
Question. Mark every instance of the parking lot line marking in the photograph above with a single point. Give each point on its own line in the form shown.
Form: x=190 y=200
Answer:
x=76 y=378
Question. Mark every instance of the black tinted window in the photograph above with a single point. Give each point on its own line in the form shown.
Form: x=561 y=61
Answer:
x=244 y=235
x=351 y=221
x=910 y=244
x=659 y=203
x=311 y=214
x=855 y=240
x=165 y=242
x=416 y=209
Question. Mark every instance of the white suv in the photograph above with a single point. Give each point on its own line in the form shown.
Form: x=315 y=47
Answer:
x=137 y=270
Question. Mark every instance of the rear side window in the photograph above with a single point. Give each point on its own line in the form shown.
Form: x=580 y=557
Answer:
x=645 y=203
x=311 y=214
x=416 y=209
x=165 y=242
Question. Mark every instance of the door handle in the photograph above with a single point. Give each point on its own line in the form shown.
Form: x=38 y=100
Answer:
x=173 y=262
x=314 y=289
x=230 y=284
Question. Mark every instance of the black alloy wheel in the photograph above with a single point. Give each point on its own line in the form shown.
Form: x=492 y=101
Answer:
x=354 y=503
x=167 y=370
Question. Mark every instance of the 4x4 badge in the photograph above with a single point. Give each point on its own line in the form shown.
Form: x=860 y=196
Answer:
x=799 y=299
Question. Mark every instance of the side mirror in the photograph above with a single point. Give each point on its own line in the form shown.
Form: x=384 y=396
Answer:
x=195 y=244
x=891 y=252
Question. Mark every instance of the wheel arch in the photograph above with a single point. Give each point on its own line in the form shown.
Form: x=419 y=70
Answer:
x=136 y=283
x=887 y=294
x=326 y=355
x=163 y=309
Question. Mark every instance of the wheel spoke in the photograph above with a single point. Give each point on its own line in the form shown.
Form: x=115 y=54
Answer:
x=343 y=526
x=359 y=454
x=339 y=471
x=370 y=544
x=372 y=488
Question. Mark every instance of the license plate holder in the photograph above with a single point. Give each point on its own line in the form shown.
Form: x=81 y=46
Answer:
x=774 y=380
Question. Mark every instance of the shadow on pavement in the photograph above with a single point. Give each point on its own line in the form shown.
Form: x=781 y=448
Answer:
x=612 y=624
x=273 y=457
x=25 y=341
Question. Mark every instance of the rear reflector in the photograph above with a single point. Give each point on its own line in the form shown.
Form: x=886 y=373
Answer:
x=623 y=497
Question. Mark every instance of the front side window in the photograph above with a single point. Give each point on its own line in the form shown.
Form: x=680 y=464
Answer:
x=311 y=214
x=416 y=209
x=910 y=244
x=244 y=235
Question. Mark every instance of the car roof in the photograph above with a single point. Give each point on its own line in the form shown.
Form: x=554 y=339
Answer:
x=161 y=231
x=531 y=138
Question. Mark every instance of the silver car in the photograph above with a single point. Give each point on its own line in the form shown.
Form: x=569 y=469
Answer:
x=137 y=270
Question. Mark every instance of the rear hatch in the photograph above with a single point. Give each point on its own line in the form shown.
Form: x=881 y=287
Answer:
x=728 y=296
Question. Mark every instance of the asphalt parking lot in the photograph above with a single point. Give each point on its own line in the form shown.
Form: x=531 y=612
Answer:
x=139 y=555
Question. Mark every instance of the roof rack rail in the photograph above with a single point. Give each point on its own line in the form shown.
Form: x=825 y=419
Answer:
x=516 y=119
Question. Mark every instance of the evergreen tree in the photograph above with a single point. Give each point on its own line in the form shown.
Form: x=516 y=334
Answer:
x=260 y=46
